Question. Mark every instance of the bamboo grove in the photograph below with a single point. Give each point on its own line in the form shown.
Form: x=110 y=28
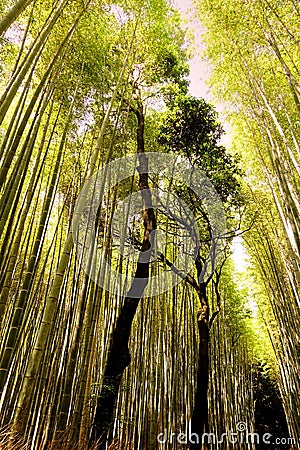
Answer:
x=84 y=83
x=255 y=45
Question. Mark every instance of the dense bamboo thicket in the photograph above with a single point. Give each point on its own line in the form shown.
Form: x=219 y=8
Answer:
x=87 y=362
x=255 y=51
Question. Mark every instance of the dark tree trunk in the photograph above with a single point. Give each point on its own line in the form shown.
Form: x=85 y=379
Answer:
x=199 y=422
x=118 y=355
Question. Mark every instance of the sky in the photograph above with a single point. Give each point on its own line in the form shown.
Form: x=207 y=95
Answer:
x=200 y=70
